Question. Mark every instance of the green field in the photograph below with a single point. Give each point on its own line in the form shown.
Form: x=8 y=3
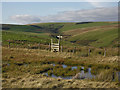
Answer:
x=96 y=34
x=76 y=26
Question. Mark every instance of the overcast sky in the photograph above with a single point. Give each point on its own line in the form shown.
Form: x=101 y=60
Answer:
x=38 y=12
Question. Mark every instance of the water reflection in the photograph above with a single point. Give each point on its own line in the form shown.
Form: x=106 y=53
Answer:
x=64 y=66
x=54 y=76
x=81 y=75
x=87 y=75
x=74 y=67
x=25 y=65
x=53 y=64
x=82 y=68
x=8 y=64
x=119 y=76
x=68 y=77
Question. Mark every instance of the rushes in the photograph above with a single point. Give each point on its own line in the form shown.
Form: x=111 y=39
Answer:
x=38 y=61
x=107 y=75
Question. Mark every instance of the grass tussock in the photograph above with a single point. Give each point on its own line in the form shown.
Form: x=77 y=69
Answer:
x=107 y=75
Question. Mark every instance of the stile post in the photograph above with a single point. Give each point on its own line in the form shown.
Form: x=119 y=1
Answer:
x=59 y=45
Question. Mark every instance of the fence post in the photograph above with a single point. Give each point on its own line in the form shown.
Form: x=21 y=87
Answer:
x=61 y=48
x=75 y=50
x=9 y=45
x=49 y=47
x=113 y=76
x=28 y=46
x=89 y=52
x=105 y=52
x=39 y=46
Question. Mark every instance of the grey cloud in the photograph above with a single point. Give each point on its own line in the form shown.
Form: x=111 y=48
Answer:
x=98 y=14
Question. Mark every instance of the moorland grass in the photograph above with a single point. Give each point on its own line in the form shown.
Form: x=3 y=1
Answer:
x=31 y=61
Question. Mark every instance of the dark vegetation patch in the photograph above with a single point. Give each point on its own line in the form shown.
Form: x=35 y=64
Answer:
x=17 y=41
x=50 y=28
x=6 y=26
x=84 y=42
x=37 y=26
x=115 y=42
x=83 y=22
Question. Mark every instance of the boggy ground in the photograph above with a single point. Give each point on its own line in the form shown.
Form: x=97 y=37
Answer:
x=24 y=68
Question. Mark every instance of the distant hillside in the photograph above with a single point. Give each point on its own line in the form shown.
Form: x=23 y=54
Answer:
x=97 y=34
x=43 y=28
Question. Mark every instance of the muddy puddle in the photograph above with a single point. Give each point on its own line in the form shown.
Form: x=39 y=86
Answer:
x=82 y=74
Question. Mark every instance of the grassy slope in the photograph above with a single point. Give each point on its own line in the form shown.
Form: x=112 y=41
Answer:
x=30 y=37
x=20 y=28
x=70 y=26
x=101 y=37
x=102 y=34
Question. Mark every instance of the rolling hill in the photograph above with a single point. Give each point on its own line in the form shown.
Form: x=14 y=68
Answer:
x=95 y=34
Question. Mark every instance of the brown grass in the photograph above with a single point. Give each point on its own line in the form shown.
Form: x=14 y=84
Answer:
x=39 y=61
